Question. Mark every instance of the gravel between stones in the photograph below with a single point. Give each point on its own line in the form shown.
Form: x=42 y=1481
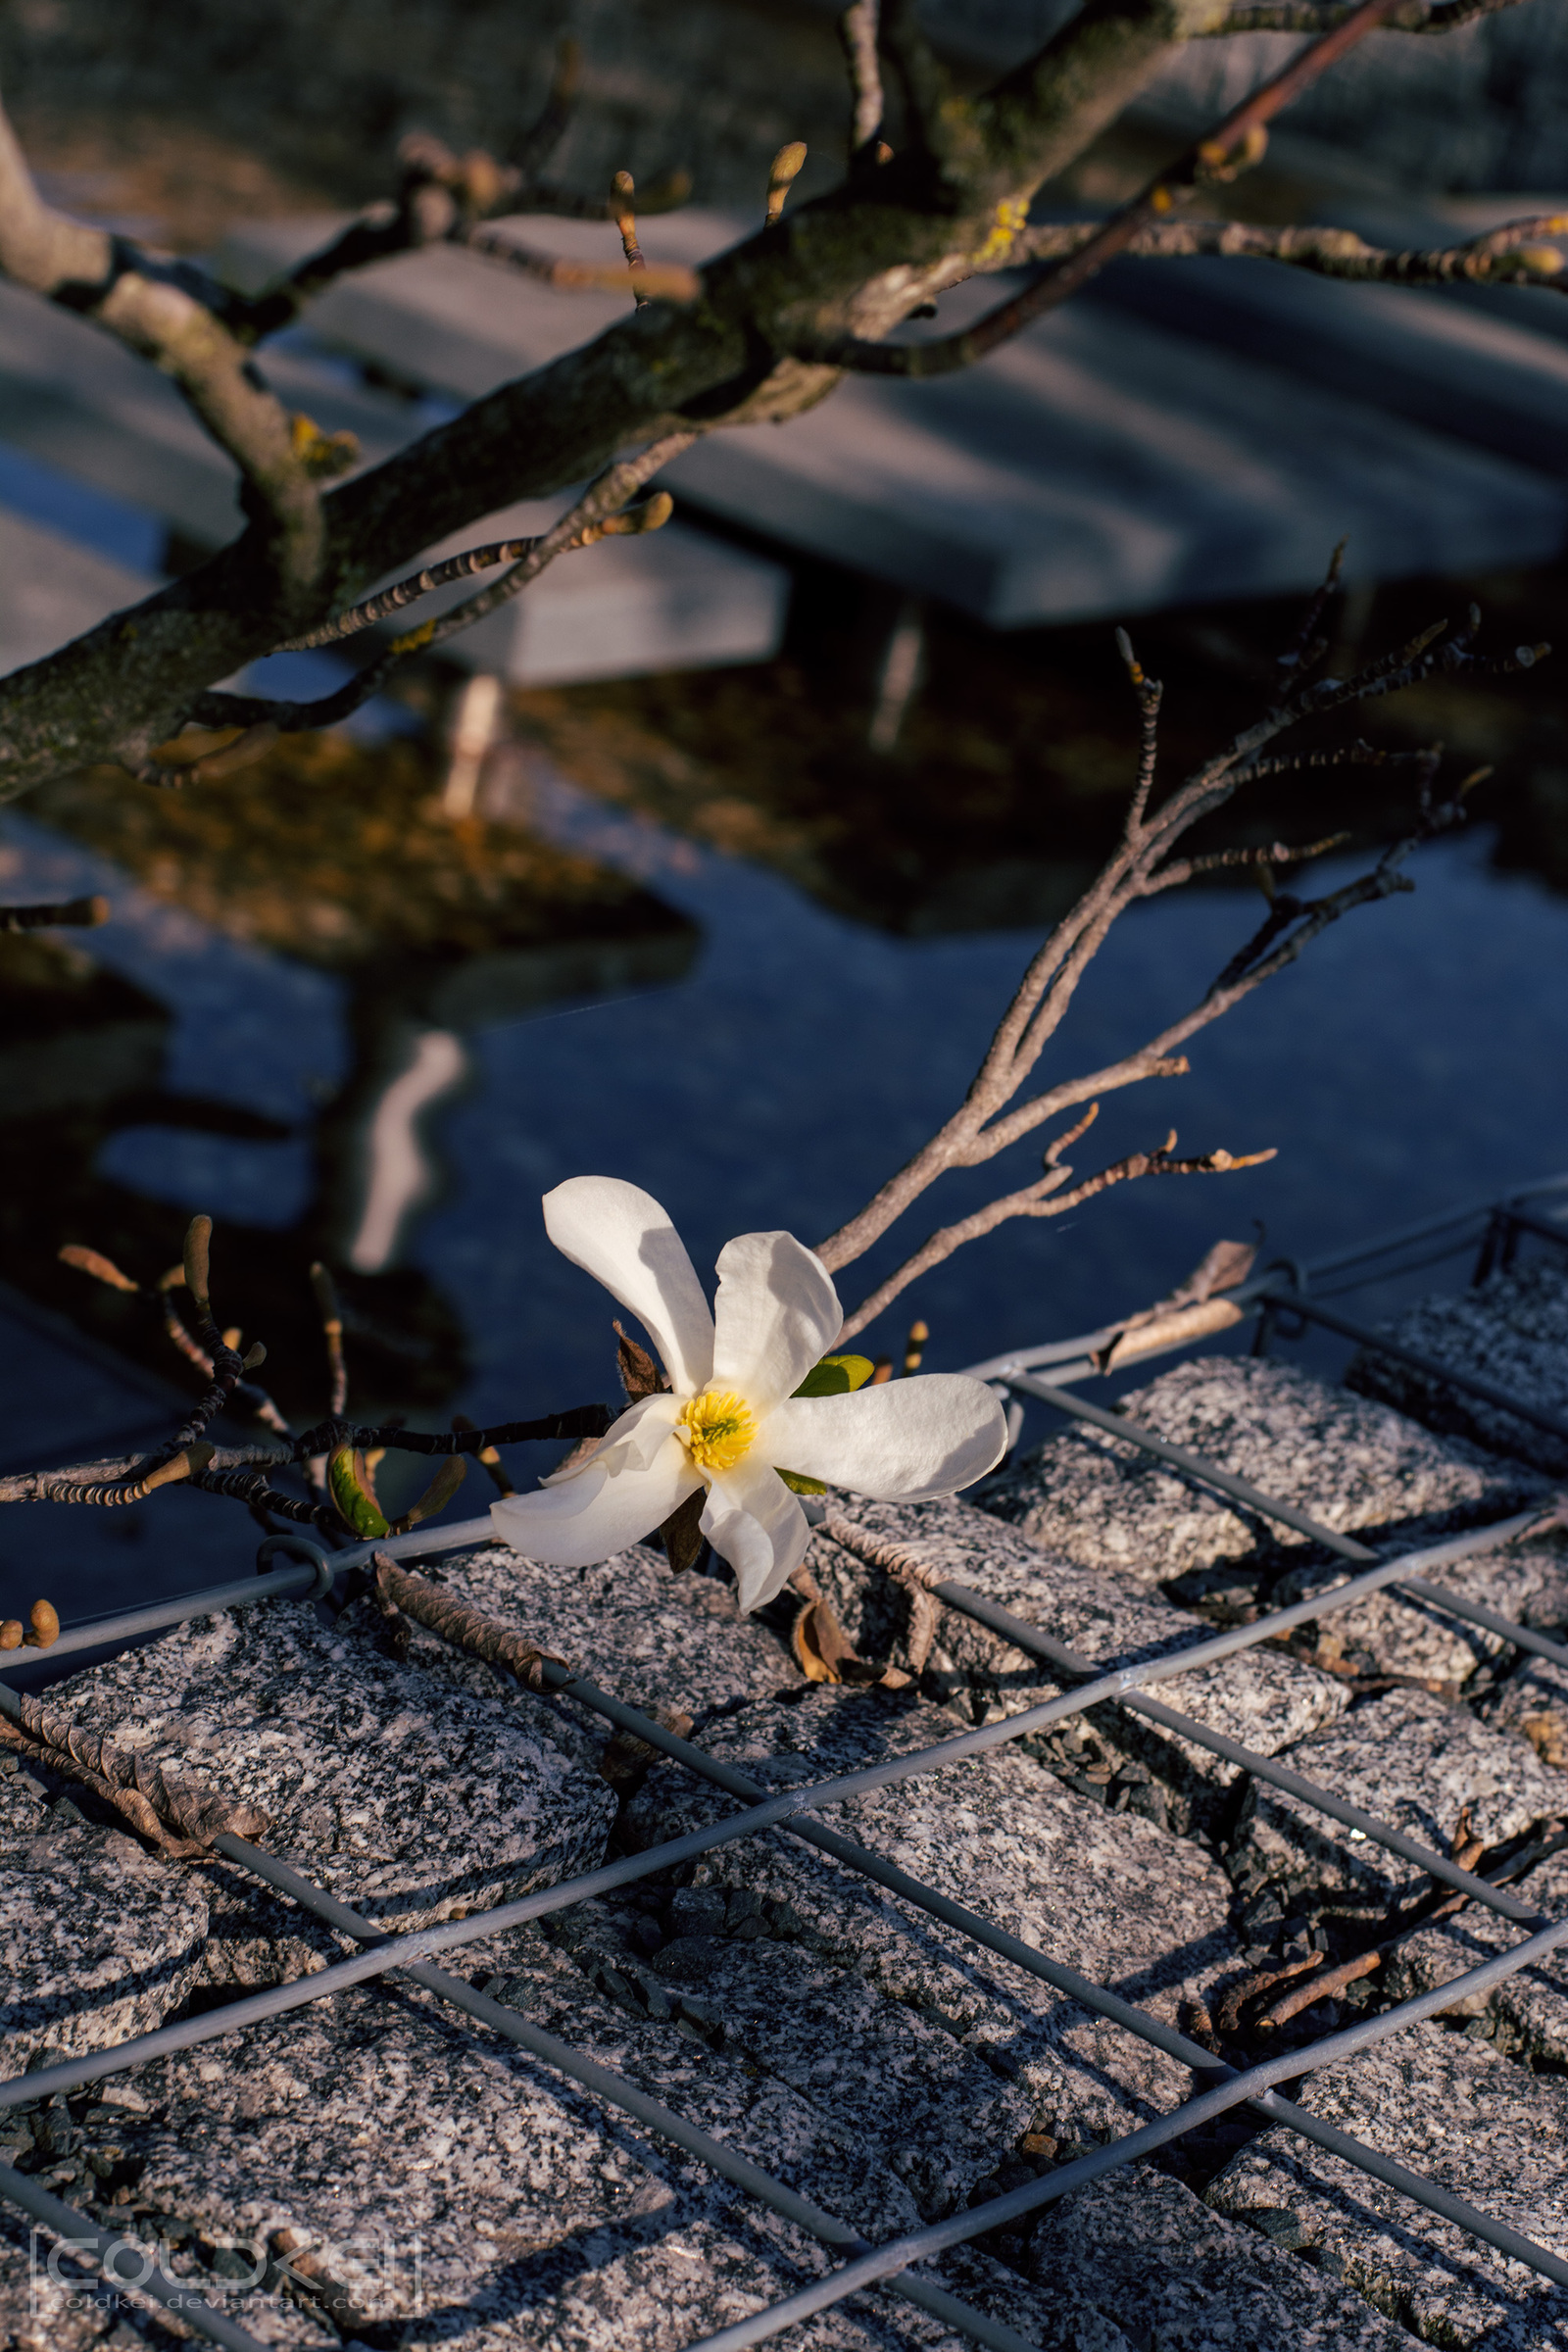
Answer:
x=1456 y=2111
x=1348 y=1461
x=1260 y=1698
x=1511 y=1330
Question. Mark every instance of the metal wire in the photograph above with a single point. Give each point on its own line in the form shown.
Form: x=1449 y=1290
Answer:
x=619 y=2093
x=870 y=2269
x=82 y=2235
x=1297 y=1302
x=785 y=1810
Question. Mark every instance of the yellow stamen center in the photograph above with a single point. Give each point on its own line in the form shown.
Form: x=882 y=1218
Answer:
x=717 y=1429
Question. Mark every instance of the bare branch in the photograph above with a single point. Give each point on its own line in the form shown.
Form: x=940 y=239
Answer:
x=1518 y=254
x=151 y=307
x=596 y=516
x=1233 y=145
x=990 y=1118
x=1042 y=1198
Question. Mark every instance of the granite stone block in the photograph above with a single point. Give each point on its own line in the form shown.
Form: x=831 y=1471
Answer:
x=382 y=2163
x=1260 y=1698
x=656 y=1641
x=99 y=1940
x=1534 y=1702
x=1526 y=2016
x=405 y=1796
x=1414 y=1763
x=1104 y=1894
x=1511 y=1330
x=1387 y=1634
x=1348 y=1460
x=1466 y=2118
x=1173 y=2275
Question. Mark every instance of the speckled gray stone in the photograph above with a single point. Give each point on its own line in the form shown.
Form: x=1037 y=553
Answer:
x=1534 y=1702
x=1414 y=1763
x=1106 y=1893
x=1260 y=1698
x=1382 y=1634
x=403 y=1795
x=1511 y=1330
x=98 y=1940
x=1476 y=2123
x=1348 y=1461
x=452 y=2189
x=656 y=1641
x=1526 y=2016
x=1179 y=2278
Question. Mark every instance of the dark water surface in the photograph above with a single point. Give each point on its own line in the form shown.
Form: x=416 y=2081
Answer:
x=1416 y=1056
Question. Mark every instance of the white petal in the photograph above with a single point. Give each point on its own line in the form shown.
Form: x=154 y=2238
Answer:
x=754 y=1521
x=621 y=1236
x=775 y=1314
x=589 y=1518
x=628 y=1444
x=904 y=1441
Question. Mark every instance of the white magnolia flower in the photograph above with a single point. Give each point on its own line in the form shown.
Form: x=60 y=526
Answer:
x=730 y=1420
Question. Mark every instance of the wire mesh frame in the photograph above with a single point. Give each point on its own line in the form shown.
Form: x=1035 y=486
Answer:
x=870 y=2265
x=885 y=2266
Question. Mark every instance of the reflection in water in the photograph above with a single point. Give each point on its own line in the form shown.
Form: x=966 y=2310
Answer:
x=1413 y=1058
x=400 y=1175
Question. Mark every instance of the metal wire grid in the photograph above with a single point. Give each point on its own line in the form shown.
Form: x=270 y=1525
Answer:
x=890 y=2265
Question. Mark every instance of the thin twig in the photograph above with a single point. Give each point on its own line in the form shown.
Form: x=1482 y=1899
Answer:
x=1230 y=147
x=594 y=516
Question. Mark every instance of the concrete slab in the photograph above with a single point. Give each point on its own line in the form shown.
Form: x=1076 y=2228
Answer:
x=1465 y=2117
x=1411 y=1761
x=1486 y=381
x=1360 y=1469
x=1100 y=464
x=1511 y=1330
x=1260 y=1698
x=408 y=1799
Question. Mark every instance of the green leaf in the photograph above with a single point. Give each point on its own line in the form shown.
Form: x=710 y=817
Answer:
x=836 y=1375
x=349 y=1485
x=799 y=1484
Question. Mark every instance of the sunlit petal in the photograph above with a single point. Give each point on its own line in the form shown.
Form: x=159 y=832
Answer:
x=587 y=1519
x=775 y=1314
x=753 y=1520
x=904 y=1441
x=629 y=1443
x=619 y=1235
